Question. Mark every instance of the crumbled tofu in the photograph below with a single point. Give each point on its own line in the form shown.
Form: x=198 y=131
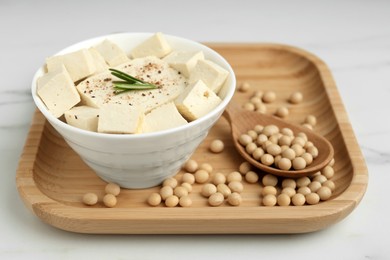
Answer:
x=210 y=73
x=83 y=117
x=98 y=60
x=163 y=117
x=184 y=61
x=120 y=119
x=156 y=45
x=111 y=53
x=98 y=90
x=79 y=64
x=57 y=91
x=196 y=101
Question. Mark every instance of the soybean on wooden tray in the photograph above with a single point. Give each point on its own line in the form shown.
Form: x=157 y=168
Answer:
x=51 y=178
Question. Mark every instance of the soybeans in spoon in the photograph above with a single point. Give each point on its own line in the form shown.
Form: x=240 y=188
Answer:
x=304 y=143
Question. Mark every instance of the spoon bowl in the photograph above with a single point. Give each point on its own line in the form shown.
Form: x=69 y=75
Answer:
x=241 y=121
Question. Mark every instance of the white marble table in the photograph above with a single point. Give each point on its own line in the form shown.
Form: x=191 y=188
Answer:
x=352 y=37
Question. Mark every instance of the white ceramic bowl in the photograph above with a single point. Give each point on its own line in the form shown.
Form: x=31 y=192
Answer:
x=141 y=160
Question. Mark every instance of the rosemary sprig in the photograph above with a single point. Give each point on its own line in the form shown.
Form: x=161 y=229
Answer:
x=129 y=82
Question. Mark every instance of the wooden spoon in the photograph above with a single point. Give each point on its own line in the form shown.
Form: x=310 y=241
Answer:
x=241 y=121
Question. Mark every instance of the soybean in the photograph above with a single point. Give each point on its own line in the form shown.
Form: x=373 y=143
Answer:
x=172 y=201
x=283 y=199
x=234 y=199
x=208 y=190
x=244 y=167
x=201 y=176
x=216 y=146
x=269 y=200
x=216 y=199
x=185 y=201
x=188 y=178
x=112 y=188
x=191 y=166
x=219 y=178
x=154 y=199
x=269 y=97
x=224 y=189
x=251 y=177
x=109 y=200
x=296 y=98
x=90 y=199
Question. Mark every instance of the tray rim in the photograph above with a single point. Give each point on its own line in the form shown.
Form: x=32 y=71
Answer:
x=65 y=217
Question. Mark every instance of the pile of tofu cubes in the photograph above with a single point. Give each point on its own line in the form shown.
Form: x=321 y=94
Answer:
x=61 y=89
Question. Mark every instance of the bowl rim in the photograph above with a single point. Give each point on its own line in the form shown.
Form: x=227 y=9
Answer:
x=229 y=93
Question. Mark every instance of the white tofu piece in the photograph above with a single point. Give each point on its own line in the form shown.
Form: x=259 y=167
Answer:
x=210 y=73
x=163 y=117
x=98 y=60
x=153 y=46
x=57 y=91
x=184 y=61
x=196 y=101
x=111 y=53
x=83 y=117
x=120 y=119
x=79 y=64
x=98 y=89
x=86 y=99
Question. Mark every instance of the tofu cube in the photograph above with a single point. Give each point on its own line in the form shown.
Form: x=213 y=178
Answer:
x=86 y=99
x=120 y=119
x=79 y=64
x=98 y=60
x=57 y=91
x=111 y=52
x=163 y=117
x=184 y=61
x=210 y=73
x=153 y=46
x=196 y=101
x=83 y=117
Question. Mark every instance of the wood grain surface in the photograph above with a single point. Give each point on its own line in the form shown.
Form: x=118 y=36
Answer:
x=52 y=179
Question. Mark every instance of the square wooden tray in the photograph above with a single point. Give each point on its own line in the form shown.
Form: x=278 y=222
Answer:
x=51 y=178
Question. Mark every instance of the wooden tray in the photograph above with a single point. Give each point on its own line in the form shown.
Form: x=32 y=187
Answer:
x=51 y=178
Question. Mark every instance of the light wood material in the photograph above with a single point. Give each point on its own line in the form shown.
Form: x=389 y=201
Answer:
x=241 y=121
x=52 y=179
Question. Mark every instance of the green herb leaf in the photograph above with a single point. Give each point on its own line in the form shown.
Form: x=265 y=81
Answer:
x=125 y=76
x=126 y=85
x=129 y=82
